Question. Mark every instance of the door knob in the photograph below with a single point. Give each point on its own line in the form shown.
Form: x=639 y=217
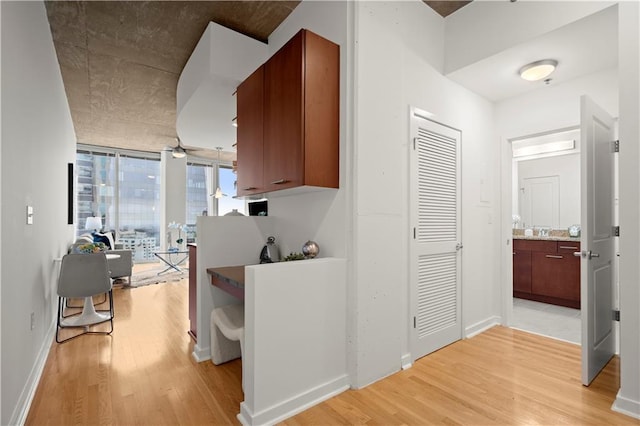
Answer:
x=587 y=254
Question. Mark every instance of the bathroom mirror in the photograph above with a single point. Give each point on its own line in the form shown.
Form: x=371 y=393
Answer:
x=546 y=179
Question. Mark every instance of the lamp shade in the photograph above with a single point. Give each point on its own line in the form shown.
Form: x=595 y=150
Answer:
x=93 y=222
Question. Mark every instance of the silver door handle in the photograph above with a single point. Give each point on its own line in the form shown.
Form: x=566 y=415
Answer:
x=587 y=254
x=459 y=246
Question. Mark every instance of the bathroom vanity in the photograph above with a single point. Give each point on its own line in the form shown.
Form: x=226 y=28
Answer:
x=545 y=270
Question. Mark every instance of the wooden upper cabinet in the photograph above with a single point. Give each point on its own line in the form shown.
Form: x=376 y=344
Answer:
x=249 y=99
x=301 y=113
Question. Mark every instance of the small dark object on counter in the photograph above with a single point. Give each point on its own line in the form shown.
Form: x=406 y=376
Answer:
x=270 y=252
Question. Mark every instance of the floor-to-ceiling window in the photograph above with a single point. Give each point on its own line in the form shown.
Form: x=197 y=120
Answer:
x=123 y=189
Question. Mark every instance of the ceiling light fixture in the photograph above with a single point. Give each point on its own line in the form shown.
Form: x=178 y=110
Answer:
x=178 y=152
x=544 y=148
x=538 y=70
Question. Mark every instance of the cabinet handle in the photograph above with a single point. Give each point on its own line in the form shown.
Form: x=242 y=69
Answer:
x=279 y=182
x=550 y=256
x=568 y=248
x=249 y=188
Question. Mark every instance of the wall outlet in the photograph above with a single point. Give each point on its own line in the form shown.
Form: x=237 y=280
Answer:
x=33 y=320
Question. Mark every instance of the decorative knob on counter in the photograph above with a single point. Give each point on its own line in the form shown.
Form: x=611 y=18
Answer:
x=310 y=249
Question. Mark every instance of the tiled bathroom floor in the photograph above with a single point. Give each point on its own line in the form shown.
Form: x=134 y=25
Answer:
x=548 y=320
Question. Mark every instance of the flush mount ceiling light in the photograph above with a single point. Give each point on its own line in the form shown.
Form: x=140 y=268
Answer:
x=538 y=70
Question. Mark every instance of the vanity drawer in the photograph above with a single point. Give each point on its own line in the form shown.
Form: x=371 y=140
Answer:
x=568 y=247
x=535 y=245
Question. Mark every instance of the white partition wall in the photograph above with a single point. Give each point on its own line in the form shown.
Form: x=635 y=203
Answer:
x=224 y=241
x=295 y=352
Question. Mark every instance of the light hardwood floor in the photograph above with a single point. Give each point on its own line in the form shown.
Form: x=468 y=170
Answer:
x=144 y=375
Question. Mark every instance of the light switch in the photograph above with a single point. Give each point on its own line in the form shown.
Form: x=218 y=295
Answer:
x=29 y=215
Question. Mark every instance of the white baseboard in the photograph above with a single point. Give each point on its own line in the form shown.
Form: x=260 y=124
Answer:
x=21 y=410
x=293 y=406
x=405 y=361
x=481 y=326
x=201 y=354
x=626 y=406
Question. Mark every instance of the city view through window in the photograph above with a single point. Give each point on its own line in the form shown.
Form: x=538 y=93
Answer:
x=124 y=191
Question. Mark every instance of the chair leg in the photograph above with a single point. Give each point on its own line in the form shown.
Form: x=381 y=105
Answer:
x=61 y=304
x=104 y=299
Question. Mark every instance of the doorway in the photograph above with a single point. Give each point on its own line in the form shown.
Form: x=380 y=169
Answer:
x=546 y=203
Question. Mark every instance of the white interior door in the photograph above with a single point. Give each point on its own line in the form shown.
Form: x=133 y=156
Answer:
x=597 y=217
x=435 y=241
x=540 y=201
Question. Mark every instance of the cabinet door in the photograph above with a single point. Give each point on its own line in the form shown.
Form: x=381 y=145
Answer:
x=521 y=271
x=249 y=98
x=555 y=275
x=283 y=116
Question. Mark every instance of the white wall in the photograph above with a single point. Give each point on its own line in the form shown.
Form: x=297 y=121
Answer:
x=173 y=197
x=395 y=70
x=295 y=337
x=489 y=37
x=38 y=141
x=628 y=399
x=319 y=216
x=567 y=168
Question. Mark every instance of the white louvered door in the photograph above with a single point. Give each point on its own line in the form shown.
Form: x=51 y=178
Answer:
x=435 y=241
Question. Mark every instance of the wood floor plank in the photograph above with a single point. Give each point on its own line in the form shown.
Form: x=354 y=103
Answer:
x=143 y=374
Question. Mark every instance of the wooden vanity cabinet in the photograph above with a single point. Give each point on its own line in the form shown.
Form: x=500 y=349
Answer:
x=300 y=118
x=554 y=272
x=521 y=272
x=249 y=100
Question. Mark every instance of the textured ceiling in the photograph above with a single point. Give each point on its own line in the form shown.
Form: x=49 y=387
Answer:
x=121 y=60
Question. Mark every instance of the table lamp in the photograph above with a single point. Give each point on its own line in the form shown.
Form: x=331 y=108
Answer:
x=94 y=223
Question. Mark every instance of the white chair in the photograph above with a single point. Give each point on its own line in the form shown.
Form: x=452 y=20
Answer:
x=227 y=333
x=84 y=276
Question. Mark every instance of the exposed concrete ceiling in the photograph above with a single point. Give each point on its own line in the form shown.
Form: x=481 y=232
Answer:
x=121 y=60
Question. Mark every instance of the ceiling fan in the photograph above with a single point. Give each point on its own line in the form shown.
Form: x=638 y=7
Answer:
x=180 y=151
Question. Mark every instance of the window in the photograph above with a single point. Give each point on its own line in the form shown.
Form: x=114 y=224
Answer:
x=123 y=190
x=227 y=203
